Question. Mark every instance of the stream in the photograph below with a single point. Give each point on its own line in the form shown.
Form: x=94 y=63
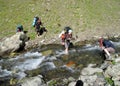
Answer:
x=51 y=62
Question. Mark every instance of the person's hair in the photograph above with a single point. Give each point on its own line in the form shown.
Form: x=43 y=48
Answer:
x=79 y=83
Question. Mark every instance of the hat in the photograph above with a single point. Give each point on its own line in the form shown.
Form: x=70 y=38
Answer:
x=70 y=31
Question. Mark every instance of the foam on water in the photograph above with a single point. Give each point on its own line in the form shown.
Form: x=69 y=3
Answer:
x=4 y=73
x=116 y=43
x=29 y=64
x=27 y=55
x=21 y=75
x=34 y=54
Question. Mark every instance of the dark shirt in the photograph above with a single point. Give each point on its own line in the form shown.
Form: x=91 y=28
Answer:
x=107 y=44
x=37 y=26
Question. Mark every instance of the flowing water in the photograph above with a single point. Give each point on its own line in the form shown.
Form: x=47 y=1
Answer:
x=51 y=61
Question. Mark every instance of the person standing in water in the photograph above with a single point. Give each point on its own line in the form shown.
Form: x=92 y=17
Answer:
x=66 y=36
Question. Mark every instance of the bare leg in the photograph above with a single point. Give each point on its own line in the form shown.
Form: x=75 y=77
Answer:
x=67 y=43
x=106 y=51
x=66 y=50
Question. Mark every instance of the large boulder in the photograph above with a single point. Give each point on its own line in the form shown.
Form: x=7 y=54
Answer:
x=13 y=43
x=33 y=81
x=113 y=72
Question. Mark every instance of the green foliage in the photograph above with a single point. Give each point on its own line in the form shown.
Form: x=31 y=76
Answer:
x=110 y=81
x=13 y=81
x=52 y=83
x=113 y=62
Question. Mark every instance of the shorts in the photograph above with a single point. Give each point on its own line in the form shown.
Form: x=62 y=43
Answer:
x=111 y=50
x=67 y=43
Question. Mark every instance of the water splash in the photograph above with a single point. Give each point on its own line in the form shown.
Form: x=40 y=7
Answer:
x=29 y=64
x=4 y=73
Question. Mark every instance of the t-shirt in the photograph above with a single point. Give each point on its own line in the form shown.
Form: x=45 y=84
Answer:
x=107 y=43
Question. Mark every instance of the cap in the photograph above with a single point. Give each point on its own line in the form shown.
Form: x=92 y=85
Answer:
x=70 y=31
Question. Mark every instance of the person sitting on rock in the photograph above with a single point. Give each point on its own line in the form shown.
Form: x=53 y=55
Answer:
x=107 y=47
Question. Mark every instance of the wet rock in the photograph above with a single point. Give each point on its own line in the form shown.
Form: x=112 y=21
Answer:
x=47 y=52
x=32 y=73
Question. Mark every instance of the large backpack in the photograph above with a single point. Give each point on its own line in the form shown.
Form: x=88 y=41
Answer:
x=35 y=21
x=66 y=29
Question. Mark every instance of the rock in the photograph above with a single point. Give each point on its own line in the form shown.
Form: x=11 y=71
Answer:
x=90 y=71
x=113 y=71
x=117 y=83
x=88 y=80
x=47 y=52
x=117 y=60
x=92 y=80
x=32 y=81
x=105 y=65
x=72 y=84
x=13 y=43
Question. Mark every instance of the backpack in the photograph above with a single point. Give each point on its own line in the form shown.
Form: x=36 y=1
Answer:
x=19 y=28
x=35 y=21
x=66 y=29
x=62 y=36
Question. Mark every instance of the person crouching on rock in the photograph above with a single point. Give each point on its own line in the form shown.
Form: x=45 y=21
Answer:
x=107 y=47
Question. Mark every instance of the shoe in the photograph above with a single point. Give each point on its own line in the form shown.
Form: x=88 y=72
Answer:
x=109 y=58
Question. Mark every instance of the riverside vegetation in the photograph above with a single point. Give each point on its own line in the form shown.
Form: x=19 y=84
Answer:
x=87 y=18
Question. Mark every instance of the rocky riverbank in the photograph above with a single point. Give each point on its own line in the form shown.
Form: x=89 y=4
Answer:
x=105 y=75
x=93 y=75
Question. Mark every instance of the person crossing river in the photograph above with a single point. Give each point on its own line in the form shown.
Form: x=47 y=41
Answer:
x=66 y=36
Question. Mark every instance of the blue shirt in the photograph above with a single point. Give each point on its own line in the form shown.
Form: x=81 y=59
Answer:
x=107 y=44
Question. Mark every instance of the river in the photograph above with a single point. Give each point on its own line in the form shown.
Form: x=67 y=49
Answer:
x=51 y=60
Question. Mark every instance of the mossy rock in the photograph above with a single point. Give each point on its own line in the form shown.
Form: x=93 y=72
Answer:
x=52 y=83
x=13 y=81
x=32 y=73
x=13 y=54
x=47 y=52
